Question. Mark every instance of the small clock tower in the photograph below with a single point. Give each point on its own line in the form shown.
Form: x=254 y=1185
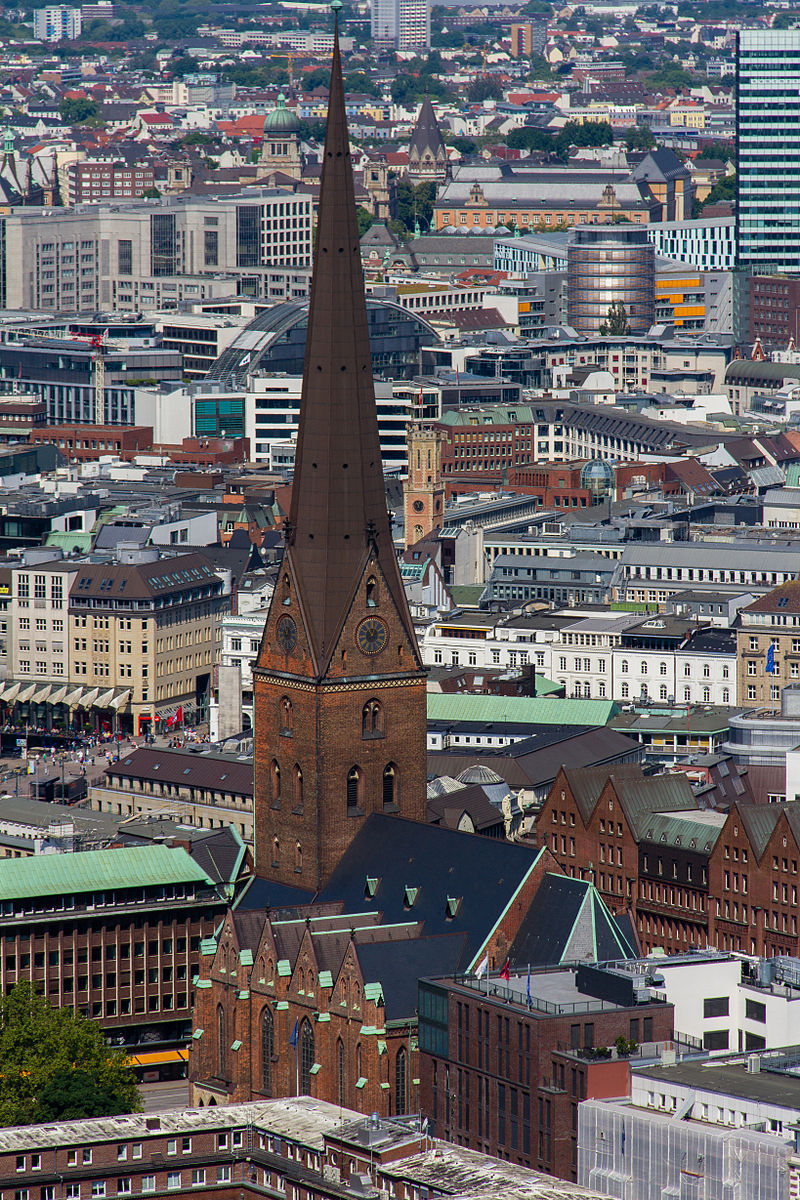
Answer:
x=423 y=490
x=339 y=686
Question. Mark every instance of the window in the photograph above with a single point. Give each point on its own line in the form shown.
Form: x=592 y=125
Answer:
x=340 y=1070
x=297 y=797
x=148 y=1183
x=716 y=1006
x=198 y=1177
x=86 y=1154
x=98 y=1187
x=353 y=788
x=275 y=783
x=372 y=719
x=715 y=1039
x=390 y=786
x=755 y=1011
x=267 y=1050
x=173 y=1181
x=124 y=1187
x=306 y=1056
x=221 y=1040
x=73 y=1191
x=401 y=1082
x=286 y=715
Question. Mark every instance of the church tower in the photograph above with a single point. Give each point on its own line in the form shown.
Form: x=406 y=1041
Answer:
x=427 y=153
x=423 y=490
x=280 y=150
x=339 y=687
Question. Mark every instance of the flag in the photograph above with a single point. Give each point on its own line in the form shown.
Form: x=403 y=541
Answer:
x=770 y=668
x=505 y=973
x=177 y=717
x=482 y=967
x=293 y=1035
x=529 y=985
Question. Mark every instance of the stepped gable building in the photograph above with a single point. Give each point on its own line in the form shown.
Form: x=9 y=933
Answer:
x=310 y=985
x=339 y=652
x=427 y=153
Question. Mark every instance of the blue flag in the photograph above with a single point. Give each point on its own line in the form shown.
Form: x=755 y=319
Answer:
x=294 y=1033
x=529 y=985
x=771 y=659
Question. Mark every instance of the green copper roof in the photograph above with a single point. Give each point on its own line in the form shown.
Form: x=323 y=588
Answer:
x=519 y=710
x=96 y=871
x=281 y=119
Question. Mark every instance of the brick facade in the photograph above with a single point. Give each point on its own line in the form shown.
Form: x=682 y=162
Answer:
x=512 y=1076
x=366 y=716
x=736 y=888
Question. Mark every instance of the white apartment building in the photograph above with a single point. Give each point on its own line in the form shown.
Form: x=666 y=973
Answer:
x=241 y=638
x=599 y=656
x=707 y=243
x=56 y=24
x=401 y=24
x=272 y=412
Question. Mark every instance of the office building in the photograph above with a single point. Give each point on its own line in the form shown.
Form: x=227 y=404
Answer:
x=56 y=24
x=505 y=1063
x=155 y=254
x=115 y=934
x=105 y=179
x=610 y=266
x=768 y=179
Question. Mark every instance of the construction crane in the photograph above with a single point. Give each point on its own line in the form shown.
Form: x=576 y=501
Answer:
x=98 y=344
x=289 y=55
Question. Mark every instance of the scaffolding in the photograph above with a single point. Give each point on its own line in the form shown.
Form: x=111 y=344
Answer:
x=637 y=1154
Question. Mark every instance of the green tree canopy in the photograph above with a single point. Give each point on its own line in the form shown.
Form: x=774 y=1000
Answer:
x=724 y=190
x=616 y=322
x=365 y=219
x=639 y=137
x=415 y=204
x=484 y=88
x=46 y=1052
x=75 y=110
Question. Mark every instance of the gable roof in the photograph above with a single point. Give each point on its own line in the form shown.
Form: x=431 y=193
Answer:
x=567 y=922
x=586 y=784
x=419 y=867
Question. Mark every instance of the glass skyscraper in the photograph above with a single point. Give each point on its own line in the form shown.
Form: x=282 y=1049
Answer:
x=768 y=137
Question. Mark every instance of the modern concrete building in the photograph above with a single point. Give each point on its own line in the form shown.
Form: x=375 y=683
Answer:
x=156 y=253
x=56 y=24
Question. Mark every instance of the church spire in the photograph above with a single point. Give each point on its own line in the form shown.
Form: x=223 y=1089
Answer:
x=338 y=512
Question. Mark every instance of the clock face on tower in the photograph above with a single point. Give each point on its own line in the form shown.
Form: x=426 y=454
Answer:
x=418 y=506
x=287 y=634
x=372 y=635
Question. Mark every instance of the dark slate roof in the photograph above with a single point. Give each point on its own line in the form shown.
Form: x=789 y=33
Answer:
x=186 y=768
x=447 y=810
x=265 y=894
x=567 y=921
x=440 y=863
x=586 y=784
x=427 y=136
x=220 y=854
x=398 y=966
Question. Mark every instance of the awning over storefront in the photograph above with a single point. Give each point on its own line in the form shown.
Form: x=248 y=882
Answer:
x=11 y=695
x=42 y=694
x=104 y=699
x=58 y=695
x=26 y=693
x=73 y=697
x=88 y=698
x=120 y=701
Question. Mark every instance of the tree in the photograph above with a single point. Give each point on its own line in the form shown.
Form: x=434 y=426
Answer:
x=47 y=1053
x=186 y=64
x=365 y=219
x=616 y=322
x=151 y=193
x=75 y=110
x=464 y=145
x=639 y=137
x=725 y=189
x=484 y=89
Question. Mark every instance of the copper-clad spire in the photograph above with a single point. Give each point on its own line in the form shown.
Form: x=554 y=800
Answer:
x=338 y=510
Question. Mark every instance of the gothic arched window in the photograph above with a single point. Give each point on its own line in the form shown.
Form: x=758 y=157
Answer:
x=340 y=1070
x=372 y=719
x=389 y=785
x=297 y=798
x=267 y=1050
x=222 y=1048
x=401 y=1082
x=275 y=783
x=286 y=715
x=353 y=788
x=306 y=1056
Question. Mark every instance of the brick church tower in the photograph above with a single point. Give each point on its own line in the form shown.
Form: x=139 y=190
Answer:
x=423 y=490
x=339 y=687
